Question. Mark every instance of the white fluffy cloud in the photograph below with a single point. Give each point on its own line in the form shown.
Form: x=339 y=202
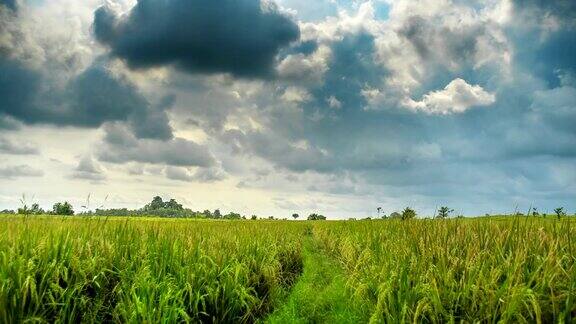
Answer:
x=457 y=97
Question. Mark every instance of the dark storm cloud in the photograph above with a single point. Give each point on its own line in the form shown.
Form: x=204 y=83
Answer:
x=351 y=69
x=91 y=99
x=8 y=3
x=122 y=146
x=99 y=97
x=549 y=58
x=564 y=10
x=240 y=37
x=18 y=88
x=29 y=93
x=553 y=51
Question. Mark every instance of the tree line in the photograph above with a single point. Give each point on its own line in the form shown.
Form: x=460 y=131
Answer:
x=157 y=208
x=171 y=208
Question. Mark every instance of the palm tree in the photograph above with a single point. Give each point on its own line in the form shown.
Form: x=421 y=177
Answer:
x=295 y=216
x=444 y=211
x=379 y=209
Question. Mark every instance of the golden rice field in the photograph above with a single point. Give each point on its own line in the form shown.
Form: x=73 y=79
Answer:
x=74 y=269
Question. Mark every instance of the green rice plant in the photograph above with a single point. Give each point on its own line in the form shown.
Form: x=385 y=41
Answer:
x=511 y=270
x=114 y=269
x=93 y=270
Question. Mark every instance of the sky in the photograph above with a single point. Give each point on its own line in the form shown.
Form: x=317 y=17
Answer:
x=294 y=106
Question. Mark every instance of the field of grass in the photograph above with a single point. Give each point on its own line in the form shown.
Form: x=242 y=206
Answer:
x=74 y=269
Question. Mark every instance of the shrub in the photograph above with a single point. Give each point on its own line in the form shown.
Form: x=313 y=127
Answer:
x=395 y=215
x=559 y=212
x=62 y=209
x=408 y=213
x=315 y=216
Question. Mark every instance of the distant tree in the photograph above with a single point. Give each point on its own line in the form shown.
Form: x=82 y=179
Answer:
x=444 y=212
x=315 y=216
x=559 y=212
x=62 y=209
x=254 y=217
x=32 y=210
x=379 y=209
x=395 y=215
x=155 y=204
x=232 y=215
x=206 y=213
x=408 y=213
x=7 y=211
x=295 y=216
x=217 y=214
x=271 y=217
x=173 y=204
x=534 y=212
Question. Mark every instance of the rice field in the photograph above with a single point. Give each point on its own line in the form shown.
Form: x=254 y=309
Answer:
x=120 y=270
x=512 y=270
x=74 y=269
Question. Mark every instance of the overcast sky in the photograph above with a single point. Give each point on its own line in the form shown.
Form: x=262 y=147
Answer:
x=270 y=108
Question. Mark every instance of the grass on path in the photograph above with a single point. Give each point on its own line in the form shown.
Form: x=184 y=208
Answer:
x=320 y=294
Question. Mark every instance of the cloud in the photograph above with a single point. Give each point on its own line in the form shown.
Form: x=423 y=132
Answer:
x=201 y=175
x=96 y=96
x=201 y=36
x=539 y=11
x=7 y=123
x=88 y=169
x=89 y=100
x=209 y=175
x=50 y=78
x=366 y=105
x=178 y=173
x=121 y=146
x=18 y=147
x=18 y=88
x=295 y=156
x=11 y=4
x=457 y=97
x=17 y=171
